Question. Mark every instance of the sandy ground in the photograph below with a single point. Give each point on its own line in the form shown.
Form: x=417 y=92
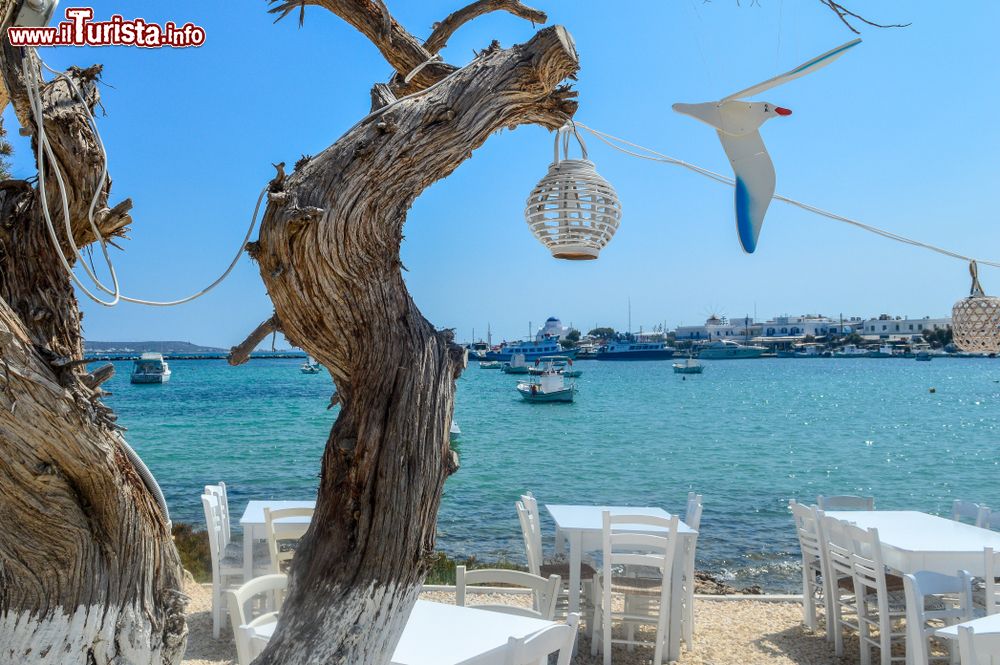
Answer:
x=730 y=632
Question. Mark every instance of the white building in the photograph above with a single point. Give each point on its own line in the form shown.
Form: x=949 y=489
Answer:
x=902 y=328
x=720 y=328
x=553 y=328
x=780 y=326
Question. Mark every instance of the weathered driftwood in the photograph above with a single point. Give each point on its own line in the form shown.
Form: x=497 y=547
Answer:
x=334 y=278
x=88 y=571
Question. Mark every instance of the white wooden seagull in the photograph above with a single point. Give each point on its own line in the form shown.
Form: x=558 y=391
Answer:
x=737 y=123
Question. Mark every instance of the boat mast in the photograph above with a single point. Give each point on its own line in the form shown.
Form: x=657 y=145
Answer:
x=630 y=315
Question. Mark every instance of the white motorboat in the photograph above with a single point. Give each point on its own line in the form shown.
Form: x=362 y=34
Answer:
x=689 y=366
x=150 y=368
x=310 y=366
x=726 y=349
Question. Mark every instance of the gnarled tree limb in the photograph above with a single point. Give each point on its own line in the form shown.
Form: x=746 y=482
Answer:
x=446 y=28
x=240 y=353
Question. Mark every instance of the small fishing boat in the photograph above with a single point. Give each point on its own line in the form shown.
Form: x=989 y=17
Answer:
x=550 y=386
x=924 y=356
x=455 y=432
x=150 y=368
x=689 y=366
x=310 y=366
x=726 y=349
x=562 y=364
x=517 y=365
x=490 y=364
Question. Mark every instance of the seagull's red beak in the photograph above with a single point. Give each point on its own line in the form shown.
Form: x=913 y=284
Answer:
x=782 y=111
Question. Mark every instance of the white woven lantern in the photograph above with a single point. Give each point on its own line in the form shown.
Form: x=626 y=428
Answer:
x=975 y=321
x=573 y=211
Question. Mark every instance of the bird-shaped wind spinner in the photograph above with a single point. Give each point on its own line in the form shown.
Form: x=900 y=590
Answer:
x=737 y=123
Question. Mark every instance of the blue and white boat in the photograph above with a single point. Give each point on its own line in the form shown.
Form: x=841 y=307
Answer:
x=531 y=350
x=638 y=349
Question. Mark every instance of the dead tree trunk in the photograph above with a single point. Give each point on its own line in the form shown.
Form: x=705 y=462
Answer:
x=88 y=571
x=329 y=256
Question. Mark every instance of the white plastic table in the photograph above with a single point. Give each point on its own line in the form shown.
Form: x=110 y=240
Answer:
x=439 y=634
x=913 y=541
x=582 y=526
x=988 y=624
x=253 y=526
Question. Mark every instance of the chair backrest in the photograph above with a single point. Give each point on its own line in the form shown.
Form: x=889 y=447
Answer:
x=532 y=534
x=545 y=591
x=966 y=510
x=836 y=547
x=845 y=502
x=982 y=649
x=213 y=524
x=219 y=491
x=988 y=519
x=992 y=581
x=640 y=540
x=278 y=531
x=866 y=560
x=272 y=585
x=807 y=528
x=535 y=648
x=692 y=515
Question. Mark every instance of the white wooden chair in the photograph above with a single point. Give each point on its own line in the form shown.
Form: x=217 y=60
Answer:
x=978 y=649
x=227 y=563
x=271 y=589
x=532 y=534
x=992 y=577
x=692 y=517
x=879 y=603
x=282 y=536
x=951 y=599
x=845 y=502
x=841 y=604
x=535 y=648
x=545 y=592
x=219 y=491
x=969 y=511
x=654 y=547
x=814 y=573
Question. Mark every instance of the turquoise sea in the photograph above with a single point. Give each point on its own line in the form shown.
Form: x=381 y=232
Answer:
x=749 y=435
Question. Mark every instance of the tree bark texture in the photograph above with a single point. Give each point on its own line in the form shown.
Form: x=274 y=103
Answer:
x=329 y=255
x=88 y=570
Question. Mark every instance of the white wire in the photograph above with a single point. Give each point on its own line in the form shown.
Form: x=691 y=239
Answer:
x=655 y=156
x=33 y=83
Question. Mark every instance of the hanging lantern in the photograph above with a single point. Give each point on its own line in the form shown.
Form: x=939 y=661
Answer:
x=975 y=321
x=573 y=211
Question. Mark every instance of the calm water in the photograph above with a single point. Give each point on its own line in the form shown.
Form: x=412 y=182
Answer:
x=749 y=435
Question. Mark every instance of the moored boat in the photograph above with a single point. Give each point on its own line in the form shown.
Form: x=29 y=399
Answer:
x=310 y=366
x=490 y=364
x=726 y=349
x=689 y=366
x=550 y=386
x=638 y=349
x=562 y=364
x=150 y=368
x=517 y=365
x=531 y=350
x=455 y=431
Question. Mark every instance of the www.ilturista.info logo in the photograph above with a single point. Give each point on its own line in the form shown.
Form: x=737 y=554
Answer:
x=80 y=30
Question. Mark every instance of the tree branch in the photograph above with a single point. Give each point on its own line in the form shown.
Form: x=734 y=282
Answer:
x=446 y=28
x=402 y=50
x=845 y=14
x=240 y=353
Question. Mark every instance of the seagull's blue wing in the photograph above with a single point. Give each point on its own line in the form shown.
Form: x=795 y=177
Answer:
x=754 y=184
x=801 y=70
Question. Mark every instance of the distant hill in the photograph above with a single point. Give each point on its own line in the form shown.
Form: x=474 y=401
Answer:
x=155 y=347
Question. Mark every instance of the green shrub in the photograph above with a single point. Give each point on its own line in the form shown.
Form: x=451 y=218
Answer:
x=195 y=554
x=443 y=568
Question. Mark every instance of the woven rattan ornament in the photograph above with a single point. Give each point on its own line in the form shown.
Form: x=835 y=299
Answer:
x=975 y=321
x=573 y=211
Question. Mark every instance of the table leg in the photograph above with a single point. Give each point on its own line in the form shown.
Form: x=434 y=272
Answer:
x=560 y=542
x=575 y=555
x=248 y=535
x=676 y=607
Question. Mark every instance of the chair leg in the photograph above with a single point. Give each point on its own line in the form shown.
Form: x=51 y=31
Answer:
x=595 y=633
x=216 y=611
x=606 y=635
x=808 y=600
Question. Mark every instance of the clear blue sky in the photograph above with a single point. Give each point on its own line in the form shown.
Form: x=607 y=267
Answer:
x=901 y=132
